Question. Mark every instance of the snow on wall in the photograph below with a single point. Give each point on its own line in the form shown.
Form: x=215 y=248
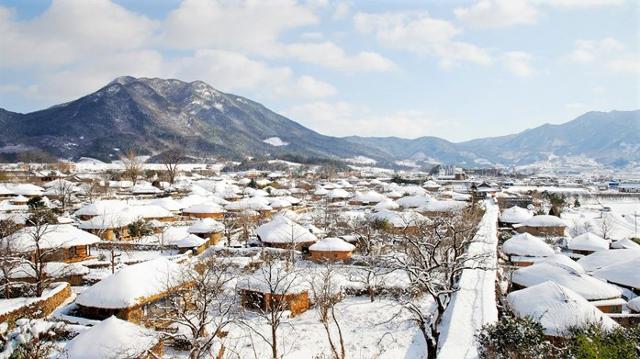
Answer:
x=474 y=305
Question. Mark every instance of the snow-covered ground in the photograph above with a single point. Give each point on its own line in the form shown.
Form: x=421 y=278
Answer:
x=371 y=330
x=275 y=141
x=474 y=305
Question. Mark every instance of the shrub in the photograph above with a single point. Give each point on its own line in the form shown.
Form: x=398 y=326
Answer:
x=513 y=337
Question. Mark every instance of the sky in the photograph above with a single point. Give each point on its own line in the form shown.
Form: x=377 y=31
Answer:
x=448 y=68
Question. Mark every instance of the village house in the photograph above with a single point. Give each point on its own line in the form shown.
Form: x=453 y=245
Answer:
x=524 y=249
x=331 y=249
x=204 y=210
x=62 y=243
x=624 y=274
x=514 y=215
x=282 y=232
x=542 y=225
x=587 y=243
x=133 y=293
x=273 y=287
x=208 y=229
x=114 y=337
x=111 y=226
x=557 y=308
x=603 y=295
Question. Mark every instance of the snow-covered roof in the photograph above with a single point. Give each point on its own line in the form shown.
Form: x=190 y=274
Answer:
x=149 y=211
x=634 y=304
x=206 y=225
x=400 y=219
x=588 y=242
x=332 y=244
x=338 y=193
x=542 y=221
x=110 y=338
x=557 y=308
x=131 y=285
x=275 y=278
x=101 y=207
x=204 y=208
x=442 y=206
x=109 y=220
x=278 y=203
x=625 y=243
x=369 y=197
x=190 y=241
x=587 y=286
x=53 y=236
x=414 y=201
x=145 y=188
x=626 y=273
x=563 y=260
x=283 y=230
x=51 y=269
x=25 y=189
x=524 y=244
x=254 y=203
x=601 y=259
x=320 y=191
x=386 y=204
x=515 y=214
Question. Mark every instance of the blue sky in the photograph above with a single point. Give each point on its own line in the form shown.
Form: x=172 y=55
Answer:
x=453 y=69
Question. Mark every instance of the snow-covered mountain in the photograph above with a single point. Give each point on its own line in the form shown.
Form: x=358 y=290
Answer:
x=151 y=115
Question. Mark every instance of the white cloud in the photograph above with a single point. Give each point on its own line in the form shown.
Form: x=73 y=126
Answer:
x=586 y=51
x=233 y=71
x=497 y=13
x=342 y=10
x=578 y=4
x=330 y=118
x=330 y=55
x=419 y=33
x=66 y=84
x=518 y=63
x=625 y=65
x=608 y=52
x=503 y=13
x=248 y=26
x=71 y=30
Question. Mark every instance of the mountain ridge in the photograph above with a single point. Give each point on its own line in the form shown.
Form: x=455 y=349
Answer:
x=155 y=114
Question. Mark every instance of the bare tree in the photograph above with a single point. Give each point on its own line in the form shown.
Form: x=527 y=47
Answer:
x=171 y=159
x=64 y=191
x=133 y=168
x=433 y=257
x=326 y=295
x=10 y=260
x=370 y=272
x=277 y=281
x=605 y=226
x=39 y=226
x=205 y=307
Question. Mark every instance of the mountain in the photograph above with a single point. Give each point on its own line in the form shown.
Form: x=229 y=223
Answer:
x=152 y=115
x=607 y=137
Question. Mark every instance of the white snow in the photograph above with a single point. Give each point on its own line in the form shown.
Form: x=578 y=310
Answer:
x=112 y=337
x=132 y=284
x=524 y=244
x=583 y=284
x=332 y=244
x=275 y=141
x=283 y=230
x=626 y=273
x=474 y=305
x=556 y=307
